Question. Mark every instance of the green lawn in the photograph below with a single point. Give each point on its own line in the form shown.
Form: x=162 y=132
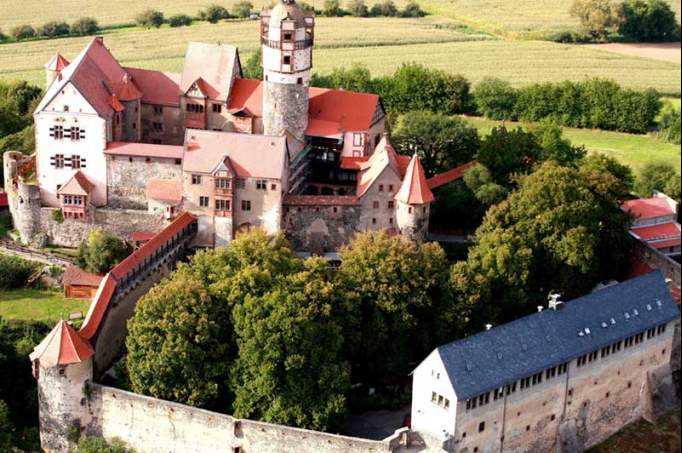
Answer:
x=631 y=149
x=39 y=305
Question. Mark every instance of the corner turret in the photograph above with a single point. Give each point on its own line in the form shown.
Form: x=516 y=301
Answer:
x=413 y=202
x=53 y=68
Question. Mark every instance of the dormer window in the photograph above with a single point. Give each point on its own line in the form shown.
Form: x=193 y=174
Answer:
x=66 y=108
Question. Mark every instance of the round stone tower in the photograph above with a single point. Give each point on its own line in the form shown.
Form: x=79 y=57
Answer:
x=287 y=35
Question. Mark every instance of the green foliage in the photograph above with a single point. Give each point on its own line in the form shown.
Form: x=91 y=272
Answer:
x=290 y=369
x=5 y=221
x=559 y=231
x=57 y=215
x=505 y=153
x=10 y=122
x=253 y=68
x=441 y=141
x=669 y=124
x=22 y=32
x=598 y=164
x=243 y=9
x=85 y=26
x=598 y=18
x=495 y=99
x=456 y=207
x=101 y=252
x=306 y=6
x=358 y=8
x=178 y=343
x=6 y=428
x=650 y=20
x=412 y=9
x=385 y=8
x=356 y=78
x=22 y=141
x=555 y=146
x=100 y=445
x=656 y=176
x=19 y=96
x=332 y=8
x=179 y=20
x=149 y=18
x=3 y=37
x=481 y=184
x=214 y=14
x=401 y=305
x=54 y=29
x=14 y=271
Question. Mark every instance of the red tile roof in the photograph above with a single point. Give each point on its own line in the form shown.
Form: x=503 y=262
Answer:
x=352 y=163
x=659 y=231
x=77 y=185
x=647 y=208
x=320 y=200
x=3 y=199
x=106 y=290
x=126 y=90
x=450 y=175
x=214 y=65
x=144 y=150
x=62 y=346
x=74 y=275
x=415 y=188
x=321 y=128
x=57 y=63
x=247 y=94
x=142 y=236
x=384 y=157
x=165 y=190
x=161 y=88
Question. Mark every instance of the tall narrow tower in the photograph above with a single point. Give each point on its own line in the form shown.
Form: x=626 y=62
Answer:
x=287 y=34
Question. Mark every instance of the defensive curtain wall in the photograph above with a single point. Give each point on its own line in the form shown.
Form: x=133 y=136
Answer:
x=71 y=401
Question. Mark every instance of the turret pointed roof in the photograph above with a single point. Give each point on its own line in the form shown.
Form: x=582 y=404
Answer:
x=77 y=185
x=415 y=188
x=62 y=346
x=57 y=63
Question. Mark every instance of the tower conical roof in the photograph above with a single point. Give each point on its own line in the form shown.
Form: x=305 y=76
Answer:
x=57 y=63
x=415 y=188
x=62 y=346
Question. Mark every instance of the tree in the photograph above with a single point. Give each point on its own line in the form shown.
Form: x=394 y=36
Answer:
x=400 y=304
x=290 y=368
x=100 y=445
x=672 y=188
x=441 y=141
x=22 y=141
x=101 y=252
x=651 y=20
x=150 y=18
x=495 y=99
x=595 y=165
x=10 y=122
x=6 y=428
x=214 y=14
x=669 y=124
x=358 y=8
x=179 y=343
x=557 y=232
x=20 y=97
x=243 y=9
x=505 y=152
x=412 y=9
x=655 y=176
x=84 y=26
x=481 y=184
x=180 y=20
x=385 y=8
x=253 y=69
x=598 y=18
x=554 y=146
x=332 y=8
x=54 y=29
x=356 y=78
x=14 y=271
x=22 y=32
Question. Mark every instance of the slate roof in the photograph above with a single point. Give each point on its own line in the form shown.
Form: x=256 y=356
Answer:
x=521 y=348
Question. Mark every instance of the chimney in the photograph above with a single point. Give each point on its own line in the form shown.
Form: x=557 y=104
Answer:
x=539 y=308
x=488 y=326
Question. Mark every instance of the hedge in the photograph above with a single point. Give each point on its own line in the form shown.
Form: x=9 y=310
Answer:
x=14 y=272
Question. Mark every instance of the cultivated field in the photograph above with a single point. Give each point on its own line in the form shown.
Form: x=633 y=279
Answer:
x=633 y=150
x=667 y=51
x=513 y=18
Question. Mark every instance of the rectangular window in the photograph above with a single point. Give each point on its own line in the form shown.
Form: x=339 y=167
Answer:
x=196 y=179
x=222 y=183
x=75 y=161
x=391 y=204
x=390 y=187
x=195 y=108
x=434 y=397
x=286 y=59
x=58 y=161
x=57 y=132
x=273 y=186
x=261 y=184
x=217 y=108
x=157 y=126
x=375 y=204
x=287 y=36
x=240 y=183
x=246 y=205
x=358 y=139
x=381 y=187
x=158 y=109
x=204 y=201
x=76 y=133
x=222 y=205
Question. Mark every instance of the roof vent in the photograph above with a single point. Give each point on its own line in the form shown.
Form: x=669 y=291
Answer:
x=587 y=330
x=635 y=312
x=469 y=367
x=499 y=355
x=539 y=308
x=581 y=333
x=627 y=315
x=613 y=321
x=659 y=303
x=603 y=324
x=554 y=301
x=488 y=326
x=648 y=307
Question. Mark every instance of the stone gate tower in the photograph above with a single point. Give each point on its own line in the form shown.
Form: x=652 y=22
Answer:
x=287 y=34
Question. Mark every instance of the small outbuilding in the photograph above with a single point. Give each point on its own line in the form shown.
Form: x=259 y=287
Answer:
x=80 y=284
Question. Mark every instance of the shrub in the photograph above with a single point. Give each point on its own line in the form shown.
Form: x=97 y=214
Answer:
x=99 y=445
x=332 y=8
x=651 y=20
x=101 y=252
x=214 y=13
x=179 y=20
x=150 y=18
x=14 y=272
x=358 y=8
x=412 y=9
x=598 y=18
x=54 y=29
x=243 y=9
x=23 y=32
x=2 y=36
x=386 y=8
x=495 y=99
x=669 y=124
x=22 y=141
x=84 y=26
x=253 y=68
x=655 y=176
x=57 y=216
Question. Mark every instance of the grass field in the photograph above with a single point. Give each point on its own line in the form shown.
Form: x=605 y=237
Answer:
x=633 y=150
x=513 y=18
x=39 y=304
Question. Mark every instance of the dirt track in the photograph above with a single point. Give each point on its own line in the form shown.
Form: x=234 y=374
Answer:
x=669 y=51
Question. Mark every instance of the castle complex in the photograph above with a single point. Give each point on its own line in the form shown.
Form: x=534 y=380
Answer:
x=237 y=153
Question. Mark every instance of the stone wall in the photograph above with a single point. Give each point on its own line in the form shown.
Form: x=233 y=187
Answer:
x=23 y=198
x=320 y=228
x=658 y=260
x=128 y=178
x=285 y=107
x=118 y=222
x=154 y=425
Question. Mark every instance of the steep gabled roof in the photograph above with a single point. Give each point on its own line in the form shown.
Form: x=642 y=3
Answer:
x=74 y=275
x=350 y=110
x=57 y=63
x=77 y=185
x=521 y=348
x=415 y=188
x=62 y=346
x=158 y=87
x=384 y=157
x=214 y=64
